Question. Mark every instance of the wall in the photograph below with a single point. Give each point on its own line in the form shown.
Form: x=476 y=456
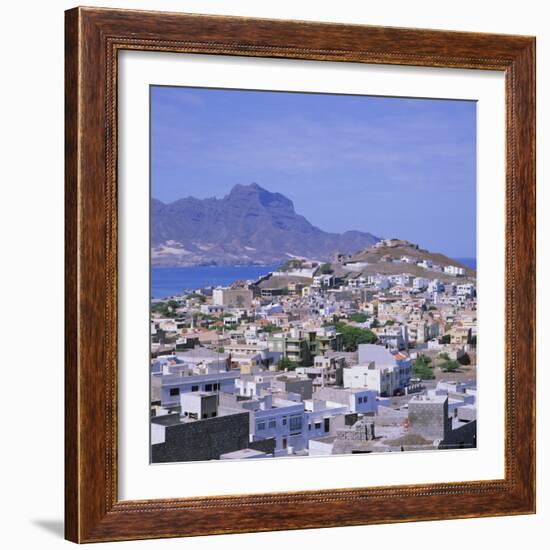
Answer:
x=31 y=214
x=203 y=439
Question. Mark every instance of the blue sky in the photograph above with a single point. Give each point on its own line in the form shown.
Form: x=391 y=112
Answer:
x=395 y=167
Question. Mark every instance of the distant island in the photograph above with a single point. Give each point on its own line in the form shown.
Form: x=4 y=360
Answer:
x=248 y=226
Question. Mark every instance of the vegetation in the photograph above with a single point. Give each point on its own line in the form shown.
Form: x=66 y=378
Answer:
x=269 y=329
x=450 y=366
x=444 y=355
x=422 y=368
x=196 y=296
x=165 y=309
x=291 y=264
x=285 y=363
x=325 y=269
x=353 y=336
x=358 y=317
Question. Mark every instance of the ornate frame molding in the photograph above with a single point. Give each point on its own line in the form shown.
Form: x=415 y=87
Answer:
x=93 y=38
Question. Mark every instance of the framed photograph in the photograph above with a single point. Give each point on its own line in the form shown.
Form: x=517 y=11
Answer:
x=300 y=275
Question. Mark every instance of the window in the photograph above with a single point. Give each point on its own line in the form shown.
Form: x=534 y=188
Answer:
x=194 y=388
x=327 y=424
x=317 y=425
x=208 y=387
x=284 y=421
x=215 y=387
x=174 y=391
x=295 y=423
x=272 y=423
x=360 y=400
x=261 y=426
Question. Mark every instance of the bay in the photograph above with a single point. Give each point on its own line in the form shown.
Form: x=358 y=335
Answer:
x=173 y=281
x=468 y=262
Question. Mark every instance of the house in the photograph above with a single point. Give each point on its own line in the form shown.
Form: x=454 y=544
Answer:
x=172 y=386
x=253 y=385
x=240 y=298
x=467 y=290
x=323 y=281
x=454 y=270
x=272 y=418
x=461 y=335
x=300 y=346
x=356 y=400
x=393 y=336
x=429 y=418
x=379 y=369
x=301 y=385
x=420 y=283
x=199 y=405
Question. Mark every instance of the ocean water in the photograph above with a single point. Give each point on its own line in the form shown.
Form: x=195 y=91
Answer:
x=171 y=281
x=468 y=262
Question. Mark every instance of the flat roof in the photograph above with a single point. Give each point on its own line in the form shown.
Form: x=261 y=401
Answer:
x=243 y=453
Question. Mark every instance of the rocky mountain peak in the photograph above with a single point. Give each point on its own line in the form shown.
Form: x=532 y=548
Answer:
x=248 y=225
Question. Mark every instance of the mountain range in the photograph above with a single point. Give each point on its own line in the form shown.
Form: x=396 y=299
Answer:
x=250 y=225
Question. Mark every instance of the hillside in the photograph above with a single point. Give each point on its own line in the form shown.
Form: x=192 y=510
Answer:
x=250 y=225
x=384 y=260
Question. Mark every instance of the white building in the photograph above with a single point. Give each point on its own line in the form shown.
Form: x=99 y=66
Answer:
x=199 y=405
x=379 y=370
x=253 y=385
x=467 y=290
x=356 y=400
x=284 y=421
x=323 y=281
x=172 y=386
x=420 y=283
x=454 y=270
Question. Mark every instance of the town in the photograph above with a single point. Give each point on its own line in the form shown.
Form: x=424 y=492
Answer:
x=366 y=353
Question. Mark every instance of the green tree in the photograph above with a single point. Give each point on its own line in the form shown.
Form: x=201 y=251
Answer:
x=353 y=336
x=270 y=328
x=422 y=369
x=195 y=295
x=285 y=363
x=358 y=317
x=445 y=356
x=325 y=269
x=166 y=309
x=450 y=366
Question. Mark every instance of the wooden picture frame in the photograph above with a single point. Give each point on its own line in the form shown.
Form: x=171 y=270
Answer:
x=93 y=511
